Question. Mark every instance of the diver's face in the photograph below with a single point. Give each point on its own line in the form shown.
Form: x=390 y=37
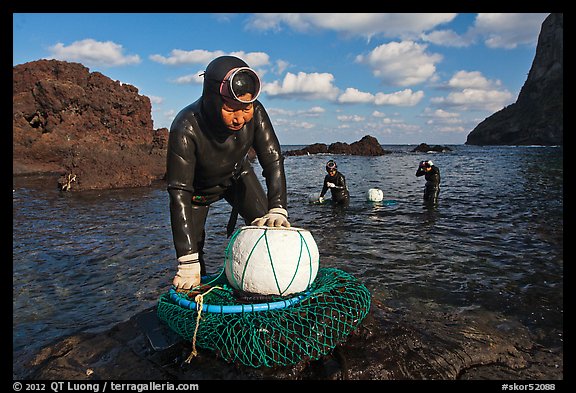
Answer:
x=236 y=114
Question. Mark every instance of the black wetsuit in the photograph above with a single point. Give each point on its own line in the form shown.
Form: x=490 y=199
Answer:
x=432 y=186
x=207 y=162
x=340 y=194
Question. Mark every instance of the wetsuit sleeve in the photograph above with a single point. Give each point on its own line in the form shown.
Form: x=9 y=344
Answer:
x=341 y=182
x=435 y=177
x=180 y=164
x=180 y=159
x=324 y=187
x=270 y=157
x=420 y=172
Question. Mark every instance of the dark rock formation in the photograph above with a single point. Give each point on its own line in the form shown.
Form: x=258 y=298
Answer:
x=536 y=118
x=71 y=122
x=427 y=343
x=423 y=147
x=367 y=146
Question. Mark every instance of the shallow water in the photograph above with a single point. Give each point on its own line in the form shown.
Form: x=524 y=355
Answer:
x=86 y=261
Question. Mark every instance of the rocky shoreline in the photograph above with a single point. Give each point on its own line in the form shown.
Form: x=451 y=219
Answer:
x=426 y=343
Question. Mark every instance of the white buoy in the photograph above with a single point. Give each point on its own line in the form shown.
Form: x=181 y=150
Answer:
x=271 y=260
x=375 y=195
x=314 y=197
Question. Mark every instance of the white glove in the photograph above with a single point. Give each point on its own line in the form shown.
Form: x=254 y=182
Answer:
x=321 y=199
x=188 y=274
x=331 y=185
x=276 y=217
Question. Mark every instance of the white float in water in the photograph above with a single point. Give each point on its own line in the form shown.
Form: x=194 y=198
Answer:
x=375 y=195
x=272 y=260
x=314 y=197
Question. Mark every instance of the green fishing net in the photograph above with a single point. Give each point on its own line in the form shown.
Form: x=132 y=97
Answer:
x=279 y=331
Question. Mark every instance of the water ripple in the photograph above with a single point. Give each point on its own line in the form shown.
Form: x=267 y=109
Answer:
x=87 y=261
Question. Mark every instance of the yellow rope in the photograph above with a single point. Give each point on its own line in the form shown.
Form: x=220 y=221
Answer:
x=199 y=299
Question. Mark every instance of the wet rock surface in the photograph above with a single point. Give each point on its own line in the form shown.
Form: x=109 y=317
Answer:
x=427 y=343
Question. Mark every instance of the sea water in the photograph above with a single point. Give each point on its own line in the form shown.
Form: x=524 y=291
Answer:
x=86 y=261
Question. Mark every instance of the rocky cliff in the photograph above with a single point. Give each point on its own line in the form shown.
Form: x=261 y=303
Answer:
x=84 y=126
x=536 y=118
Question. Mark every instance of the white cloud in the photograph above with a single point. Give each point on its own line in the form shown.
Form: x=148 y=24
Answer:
x=304 y=124
x=475 y=99
x=253 y=59
x=401 y=63
x=92 y=52
x=470 y=79
x=296 y=125
x=182 y=57
x=447 y=38
x=440 y=114
x=190 y=78
x=509 y=30
x=200 y=56
x=314 y=111
x=359 y=24
x=472 y=91
x=273 y=112
x=355 y=96
x=406 y=97
x=303 y=85
x=351 y=118
x=390 y=121
x=498 y=30
x=443 y=121
x=281 y=66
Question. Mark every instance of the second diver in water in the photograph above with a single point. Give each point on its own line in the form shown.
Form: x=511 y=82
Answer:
x=336 y=182
x=432 y=175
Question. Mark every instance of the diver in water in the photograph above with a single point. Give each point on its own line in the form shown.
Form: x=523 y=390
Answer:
x=336 y=182
x=207 y=160
x=432 y=175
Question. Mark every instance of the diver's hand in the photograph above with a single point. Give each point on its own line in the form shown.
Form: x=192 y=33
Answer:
x=276 y=217
x=188 y=274
x=321 y=199
x=331 y=185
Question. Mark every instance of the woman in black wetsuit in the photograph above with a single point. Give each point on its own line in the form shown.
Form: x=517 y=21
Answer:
x=432 y=175
x=336 y=182
x=207 y=160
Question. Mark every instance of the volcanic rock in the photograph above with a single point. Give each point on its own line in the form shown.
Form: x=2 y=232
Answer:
x=367 y=146
x=79 y=124
x=536 y=118
x=428 y=343
x=423 y=147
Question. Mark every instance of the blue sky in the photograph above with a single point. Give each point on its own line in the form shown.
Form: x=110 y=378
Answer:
x=402 y=78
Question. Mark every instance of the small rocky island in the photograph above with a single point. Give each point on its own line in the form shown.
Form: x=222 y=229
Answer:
x=424 y=148
x=367 y=146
